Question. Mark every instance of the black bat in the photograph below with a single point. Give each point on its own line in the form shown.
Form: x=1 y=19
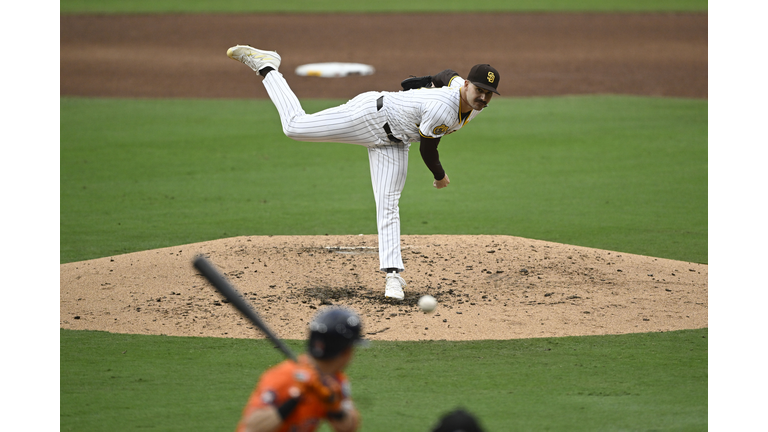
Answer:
x=230 y=293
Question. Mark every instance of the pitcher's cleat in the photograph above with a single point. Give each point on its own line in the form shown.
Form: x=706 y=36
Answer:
x=255 y=59
x=394 y=288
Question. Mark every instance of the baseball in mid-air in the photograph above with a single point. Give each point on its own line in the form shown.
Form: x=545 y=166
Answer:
x=427 y=303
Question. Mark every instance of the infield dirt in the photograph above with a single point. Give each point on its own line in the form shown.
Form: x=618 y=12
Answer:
x=489 y=287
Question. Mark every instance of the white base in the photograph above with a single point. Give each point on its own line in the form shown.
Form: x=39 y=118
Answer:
x=334 y=70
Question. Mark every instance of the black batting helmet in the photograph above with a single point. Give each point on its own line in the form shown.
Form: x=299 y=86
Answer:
x=332 y=331
x=458 y=420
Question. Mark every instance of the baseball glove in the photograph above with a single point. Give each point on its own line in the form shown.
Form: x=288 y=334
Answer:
x=416 y=82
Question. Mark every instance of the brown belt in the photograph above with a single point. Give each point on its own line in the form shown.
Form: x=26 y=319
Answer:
x=387 y=129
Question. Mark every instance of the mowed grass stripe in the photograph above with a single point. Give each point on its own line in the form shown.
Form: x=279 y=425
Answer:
x=652 y=381
x=612 y=172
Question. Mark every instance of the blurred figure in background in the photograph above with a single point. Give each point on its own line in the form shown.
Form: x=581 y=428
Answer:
x=458 y=420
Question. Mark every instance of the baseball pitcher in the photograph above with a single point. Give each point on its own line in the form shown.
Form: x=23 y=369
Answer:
x=386 y=123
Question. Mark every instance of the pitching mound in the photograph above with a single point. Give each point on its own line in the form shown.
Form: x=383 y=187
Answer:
x=488 y=287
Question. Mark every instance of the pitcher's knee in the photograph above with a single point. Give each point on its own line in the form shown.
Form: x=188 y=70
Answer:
x=294 y=134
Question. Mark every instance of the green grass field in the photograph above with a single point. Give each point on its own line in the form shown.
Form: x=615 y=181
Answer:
x=347 y=6
x=630 y=382
x=612 y=172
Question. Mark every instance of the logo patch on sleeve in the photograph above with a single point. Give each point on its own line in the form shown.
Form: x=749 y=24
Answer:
x=301 y=376
x=268 y=397
x=440 y=130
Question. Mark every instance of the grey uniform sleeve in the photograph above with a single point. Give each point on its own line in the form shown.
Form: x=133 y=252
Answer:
x=443 y=78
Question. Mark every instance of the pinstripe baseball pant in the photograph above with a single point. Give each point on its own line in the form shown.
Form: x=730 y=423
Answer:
x=358 y=121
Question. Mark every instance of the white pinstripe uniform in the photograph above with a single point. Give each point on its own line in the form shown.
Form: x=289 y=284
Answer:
x=429 y=112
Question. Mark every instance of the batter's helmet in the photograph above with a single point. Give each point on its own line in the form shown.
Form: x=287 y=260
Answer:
x=332 y=331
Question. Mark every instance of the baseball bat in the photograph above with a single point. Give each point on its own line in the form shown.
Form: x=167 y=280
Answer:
x=230 y=293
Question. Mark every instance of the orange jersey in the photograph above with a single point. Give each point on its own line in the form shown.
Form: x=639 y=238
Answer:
x=272 y=390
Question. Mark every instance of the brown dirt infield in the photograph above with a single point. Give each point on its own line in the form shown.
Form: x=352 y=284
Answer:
x=536 y=54
x=489 y=287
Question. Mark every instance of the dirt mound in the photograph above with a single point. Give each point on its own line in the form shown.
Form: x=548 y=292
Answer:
x=488 y=287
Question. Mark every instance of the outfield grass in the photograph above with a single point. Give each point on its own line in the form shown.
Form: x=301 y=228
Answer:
x=348 y=6
x=600 y=383
x=612 y=172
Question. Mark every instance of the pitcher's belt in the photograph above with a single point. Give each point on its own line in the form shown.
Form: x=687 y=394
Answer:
x=387 y=129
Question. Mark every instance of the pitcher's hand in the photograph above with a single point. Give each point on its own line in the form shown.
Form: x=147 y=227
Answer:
x=441 y=183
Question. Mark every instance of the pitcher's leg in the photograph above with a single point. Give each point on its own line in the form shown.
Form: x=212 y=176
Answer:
x=347 y=123
x=286 y=102
x=389 y=168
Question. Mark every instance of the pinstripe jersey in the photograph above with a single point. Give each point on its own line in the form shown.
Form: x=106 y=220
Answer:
x=429 y=112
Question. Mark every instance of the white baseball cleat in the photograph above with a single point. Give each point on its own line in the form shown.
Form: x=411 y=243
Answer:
x=254 y=58
x=395 y=285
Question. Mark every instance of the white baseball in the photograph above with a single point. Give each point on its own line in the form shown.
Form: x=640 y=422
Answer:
x=427 y=303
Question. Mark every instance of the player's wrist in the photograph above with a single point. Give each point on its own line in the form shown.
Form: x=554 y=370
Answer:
x=337 y=415
x=287 y=407
x=342 y=410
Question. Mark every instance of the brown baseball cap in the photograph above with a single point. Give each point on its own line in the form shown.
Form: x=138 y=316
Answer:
x=484 y=76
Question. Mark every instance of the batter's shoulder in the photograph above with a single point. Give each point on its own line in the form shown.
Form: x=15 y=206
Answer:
x=282 y=373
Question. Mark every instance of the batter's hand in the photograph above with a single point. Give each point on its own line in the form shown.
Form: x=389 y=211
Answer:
x=441 y=183
x=325 y=387
x=311 y=382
